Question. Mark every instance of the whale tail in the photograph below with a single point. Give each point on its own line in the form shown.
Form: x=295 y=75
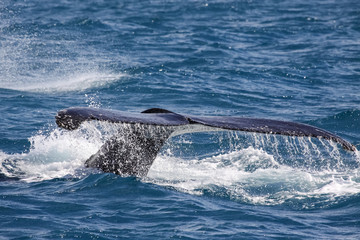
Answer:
x=132 y=151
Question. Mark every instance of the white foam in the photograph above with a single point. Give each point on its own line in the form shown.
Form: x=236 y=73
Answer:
x=222 y=170
x=253 y=176
x=338 y=184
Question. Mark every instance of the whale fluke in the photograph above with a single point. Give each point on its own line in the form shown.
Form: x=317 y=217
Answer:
x=133 y=153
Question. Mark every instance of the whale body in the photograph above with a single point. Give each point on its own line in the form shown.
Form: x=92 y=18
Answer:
x=132 y=151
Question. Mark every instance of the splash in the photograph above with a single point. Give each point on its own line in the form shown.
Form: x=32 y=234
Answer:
x=245 y=167
x=54 y=154
x=31 y=60
x=265 y=170
x=79 y=81
x=28 y=64
x=253 y=176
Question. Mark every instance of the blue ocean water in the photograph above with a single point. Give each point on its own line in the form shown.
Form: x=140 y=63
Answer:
x=279 y=59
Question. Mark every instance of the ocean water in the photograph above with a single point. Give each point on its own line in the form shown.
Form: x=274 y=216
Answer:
x=280 y=59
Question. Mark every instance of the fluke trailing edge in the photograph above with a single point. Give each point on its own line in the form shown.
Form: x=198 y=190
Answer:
x=132 y=151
